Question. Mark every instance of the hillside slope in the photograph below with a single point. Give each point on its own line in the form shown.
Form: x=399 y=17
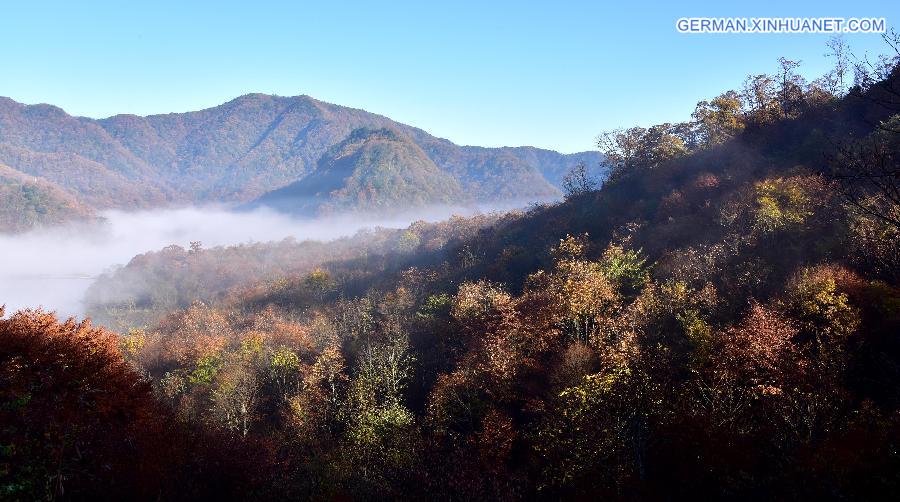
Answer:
x=719 y=321
x=27 y=202
x=379 y=170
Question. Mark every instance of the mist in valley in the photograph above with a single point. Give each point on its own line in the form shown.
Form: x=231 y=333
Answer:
x=52 y=268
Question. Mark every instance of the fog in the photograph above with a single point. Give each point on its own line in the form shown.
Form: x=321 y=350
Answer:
x=53 y=267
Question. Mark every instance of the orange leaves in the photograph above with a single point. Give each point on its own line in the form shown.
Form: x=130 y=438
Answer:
x=504 y=333
x=47 y=341
x=584 y=288
x=278 y=332
x=760 y=350
x=479 y=300
x=71 y=406
x=193 y=333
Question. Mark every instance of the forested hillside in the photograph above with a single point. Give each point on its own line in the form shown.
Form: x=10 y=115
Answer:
x=156 y=283
x=28 y=201
x=243 y=149
x=378 y=170
x=719 y=320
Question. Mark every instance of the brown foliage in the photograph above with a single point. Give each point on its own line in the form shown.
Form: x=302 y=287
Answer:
x=75 y=416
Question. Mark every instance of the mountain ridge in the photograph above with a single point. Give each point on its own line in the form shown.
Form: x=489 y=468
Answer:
x=240 y=150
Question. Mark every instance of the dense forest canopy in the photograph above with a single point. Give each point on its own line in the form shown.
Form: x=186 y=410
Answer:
x=719 y=320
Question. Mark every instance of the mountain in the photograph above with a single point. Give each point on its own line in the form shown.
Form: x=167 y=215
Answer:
x=239 y=151
x=27 y=201
x=373 y=170
x=92 y=182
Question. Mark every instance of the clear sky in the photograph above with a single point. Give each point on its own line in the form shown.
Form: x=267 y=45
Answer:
x=552 y=74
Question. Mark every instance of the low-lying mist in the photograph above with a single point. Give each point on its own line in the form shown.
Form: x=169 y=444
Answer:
x=53 y=267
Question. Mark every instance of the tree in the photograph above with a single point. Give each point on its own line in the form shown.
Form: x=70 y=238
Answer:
x=836 y=79
x=661 y=144
x=626 y=269
x=824 y=315
x=235 y=397
x=379 y=426
x=868 y=173
x=720 y=119
x=875 y=246
x=314 y=409
x=74 y=416
x=319 y=283
x=578 y=181
x=596 y=435
x=790 y=91
x=639 y=148
x=284 y=372
x=621 y=147
x=780 y=203
x=190 y=334
x=408 y=242
x=759 y=98
x=759 y=353
x=876 y=81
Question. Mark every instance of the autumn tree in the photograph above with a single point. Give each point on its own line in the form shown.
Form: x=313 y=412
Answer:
x=74 y=416
x=759 y=96
x=597 y=433
x=313 y=411
x=825 y=317
x=235 y=396
x=790 y=87
x=640 y=148
x=578 y=285
x=874 y=80
x=720 y=119
x=756 y=359
x=379 y=427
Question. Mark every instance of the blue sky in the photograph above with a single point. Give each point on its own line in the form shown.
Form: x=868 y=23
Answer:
x=549 y=74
